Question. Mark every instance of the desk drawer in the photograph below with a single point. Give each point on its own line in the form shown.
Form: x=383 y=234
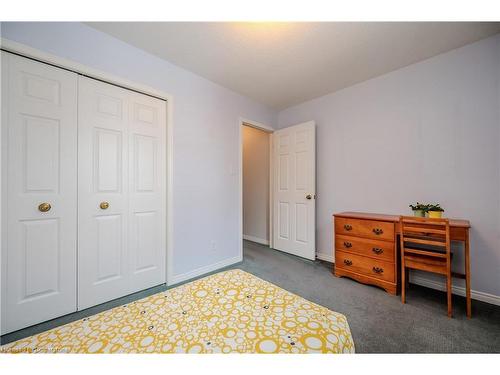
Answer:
x=380 y=230
x=366 y=266
x=383 y=250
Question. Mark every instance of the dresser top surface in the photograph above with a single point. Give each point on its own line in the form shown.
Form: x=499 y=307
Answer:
x=393 y=218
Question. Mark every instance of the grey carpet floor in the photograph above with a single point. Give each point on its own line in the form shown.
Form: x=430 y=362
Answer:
x=379 y=322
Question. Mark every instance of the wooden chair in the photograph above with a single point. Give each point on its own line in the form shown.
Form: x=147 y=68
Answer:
x=425 y=246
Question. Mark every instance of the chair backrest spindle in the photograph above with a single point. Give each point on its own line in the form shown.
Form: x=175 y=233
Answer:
x=426 y=234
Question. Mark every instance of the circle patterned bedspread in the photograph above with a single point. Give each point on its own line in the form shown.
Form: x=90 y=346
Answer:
x=229 y=312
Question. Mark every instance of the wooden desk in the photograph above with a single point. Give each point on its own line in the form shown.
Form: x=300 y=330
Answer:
x=364 y=236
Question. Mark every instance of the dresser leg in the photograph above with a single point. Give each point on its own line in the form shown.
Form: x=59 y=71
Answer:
x=392 y=290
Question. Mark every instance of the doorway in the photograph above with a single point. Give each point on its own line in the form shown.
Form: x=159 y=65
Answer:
x=256 y=182
x=277 y=187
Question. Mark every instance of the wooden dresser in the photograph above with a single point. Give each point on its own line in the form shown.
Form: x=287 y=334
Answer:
x=366 y=248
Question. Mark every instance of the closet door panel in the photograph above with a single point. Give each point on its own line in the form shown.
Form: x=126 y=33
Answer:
x=147 y=214
x=39 y=161
x=103 y=192
x=122 y=165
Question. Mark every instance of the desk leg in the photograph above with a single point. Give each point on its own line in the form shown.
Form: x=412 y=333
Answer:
x=467 y=275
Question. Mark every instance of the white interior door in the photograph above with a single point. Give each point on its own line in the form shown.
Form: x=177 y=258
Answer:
x=294 y=164
x=121 y=192
x=39 y=161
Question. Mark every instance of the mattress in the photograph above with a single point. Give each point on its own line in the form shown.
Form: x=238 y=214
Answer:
x=229 y=312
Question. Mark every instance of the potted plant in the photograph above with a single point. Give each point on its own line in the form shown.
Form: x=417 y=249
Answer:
x=435 y=210
x=419 y=209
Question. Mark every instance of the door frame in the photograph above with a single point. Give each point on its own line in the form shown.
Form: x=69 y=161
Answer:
x=268 y=129
x=60 y=62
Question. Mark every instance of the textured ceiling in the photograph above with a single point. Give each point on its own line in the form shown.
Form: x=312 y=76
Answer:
x=282 y=64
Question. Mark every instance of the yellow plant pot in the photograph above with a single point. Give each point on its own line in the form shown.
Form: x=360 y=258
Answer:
x=435 y=214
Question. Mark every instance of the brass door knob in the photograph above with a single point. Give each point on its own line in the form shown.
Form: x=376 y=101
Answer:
x=44 y=207
x=104 y=205
x=308 y=196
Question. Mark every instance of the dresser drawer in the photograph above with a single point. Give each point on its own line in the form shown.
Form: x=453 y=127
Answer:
x=363 y=265
x=380 y=230
x=377 y=249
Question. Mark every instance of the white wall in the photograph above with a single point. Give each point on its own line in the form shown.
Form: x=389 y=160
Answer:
x=206 y=137
x=429 y=133
x=255 y=184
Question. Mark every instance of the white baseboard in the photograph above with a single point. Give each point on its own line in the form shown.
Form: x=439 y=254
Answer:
x=256 y=239
x=204 y=270
x=326 y=257
x=458 y=290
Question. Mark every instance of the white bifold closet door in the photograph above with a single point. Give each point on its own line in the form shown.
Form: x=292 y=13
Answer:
x=121 y=192
x=39 y=204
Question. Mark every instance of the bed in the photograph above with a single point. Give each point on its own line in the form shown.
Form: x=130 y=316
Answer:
x=228 y=312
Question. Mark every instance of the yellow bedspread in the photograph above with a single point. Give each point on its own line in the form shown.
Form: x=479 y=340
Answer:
x=229 y=312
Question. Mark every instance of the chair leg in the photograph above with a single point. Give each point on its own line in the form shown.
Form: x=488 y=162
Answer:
x=448 y=292
x=407 y=276
x=467 y=276
x=403 y=282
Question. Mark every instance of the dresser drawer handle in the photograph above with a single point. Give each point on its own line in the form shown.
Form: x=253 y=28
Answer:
x=347 y=227
x=347 y=244
x=377 y=250
x=378 y=231
x=348 y=262
x=378 y=270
